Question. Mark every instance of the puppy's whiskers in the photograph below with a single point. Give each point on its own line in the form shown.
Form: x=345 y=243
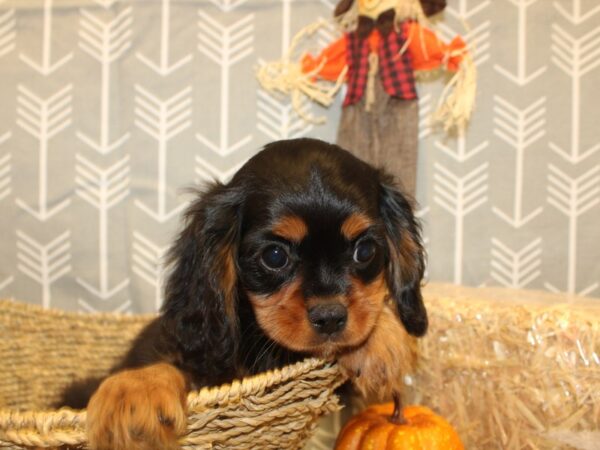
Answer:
x=265 y=351
x=257 y=339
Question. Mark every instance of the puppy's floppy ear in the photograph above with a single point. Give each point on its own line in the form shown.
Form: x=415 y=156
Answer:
x=201 y=290
x=405 y=265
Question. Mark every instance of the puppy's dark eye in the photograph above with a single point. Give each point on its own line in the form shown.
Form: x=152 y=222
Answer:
x=274 y=257
x=364 y=251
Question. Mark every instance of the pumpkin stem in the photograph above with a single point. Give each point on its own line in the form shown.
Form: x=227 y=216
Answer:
x=397 y=417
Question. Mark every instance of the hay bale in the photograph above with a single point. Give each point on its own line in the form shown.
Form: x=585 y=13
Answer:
x=512 y=369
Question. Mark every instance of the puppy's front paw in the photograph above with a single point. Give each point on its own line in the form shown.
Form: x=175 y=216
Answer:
x=139 y=409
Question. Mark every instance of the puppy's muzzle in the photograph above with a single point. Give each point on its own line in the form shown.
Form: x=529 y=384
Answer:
x=328 y=319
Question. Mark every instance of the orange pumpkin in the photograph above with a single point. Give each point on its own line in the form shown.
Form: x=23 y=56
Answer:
x=374 y=429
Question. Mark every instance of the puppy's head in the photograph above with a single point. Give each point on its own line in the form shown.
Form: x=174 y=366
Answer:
x=315 y=240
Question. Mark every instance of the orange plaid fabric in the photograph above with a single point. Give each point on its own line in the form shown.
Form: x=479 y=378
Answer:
x=428 y=52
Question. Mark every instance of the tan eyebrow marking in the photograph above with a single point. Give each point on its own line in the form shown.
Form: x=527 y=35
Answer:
x=354 y=225
x=292 y=228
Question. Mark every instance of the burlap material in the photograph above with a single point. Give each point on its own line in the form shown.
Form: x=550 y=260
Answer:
x=386 y=136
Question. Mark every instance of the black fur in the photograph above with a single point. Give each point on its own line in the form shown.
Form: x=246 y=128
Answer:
x=214 y=339
x=405 y=285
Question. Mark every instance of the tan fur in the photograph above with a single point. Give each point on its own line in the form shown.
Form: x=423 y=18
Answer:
x=354 y=225
x=138 y=409
x=292 y=228
x=283 y=316
x=365 y=303
x=409 y=252
x=228 y=280
x=377 y=367
x=405 y=256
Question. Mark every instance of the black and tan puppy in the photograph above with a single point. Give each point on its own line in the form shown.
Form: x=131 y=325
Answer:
x=306 y=251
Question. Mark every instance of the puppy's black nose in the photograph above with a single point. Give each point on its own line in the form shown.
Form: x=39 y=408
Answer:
x=328 y=318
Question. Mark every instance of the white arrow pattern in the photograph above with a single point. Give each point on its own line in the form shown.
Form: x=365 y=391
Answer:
x=46 y=67
x=460 y=196
x=425 y=110
x=148 y=259
x=576 y=58
x=103 y=189
x=226 y=46
x=162 y=120
x=461 y=154
x=576 y=16
x=286 y=16
x=6 y=282
x=164 y=67
x=5 y=169
x=124 y=307
x=7 y=32
x=44 y=263
x=516 y=269
x=466 y=9
x=277 y=118
x=519 y=128
x=535 y=107
x=105 y=3
x=5 y=178
x=207 y=172
x=573 y=197
x=227 y=5
x=106 y=43
x=521 y=78
x=44 y=119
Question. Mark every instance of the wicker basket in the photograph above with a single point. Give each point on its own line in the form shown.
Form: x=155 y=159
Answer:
x=42 y=351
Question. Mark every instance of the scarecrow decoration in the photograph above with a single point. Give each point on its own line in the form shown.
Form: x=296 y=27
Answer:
x=386 y=45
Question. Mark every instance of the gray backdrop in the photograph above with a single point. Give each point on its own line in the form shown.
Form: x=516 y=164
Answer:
x=109 y=108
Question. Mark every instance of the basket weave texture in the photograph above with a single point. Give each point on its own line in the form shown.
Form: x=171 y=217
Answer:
x=42 y=351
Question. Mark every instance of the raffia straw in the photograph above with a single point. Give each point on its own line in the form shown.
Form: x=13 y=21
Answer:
x=286 y=76
x=457 y=101
x=456 y=105
x=373 y=70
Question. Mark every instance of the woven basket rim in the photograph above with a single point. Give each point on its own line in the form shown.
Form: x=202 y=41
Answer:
x=217 y=395
x=11 y=303
x=207 y=395
x=43 y=421
x=213 y=395
x=31 y=427
x=67 y=426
